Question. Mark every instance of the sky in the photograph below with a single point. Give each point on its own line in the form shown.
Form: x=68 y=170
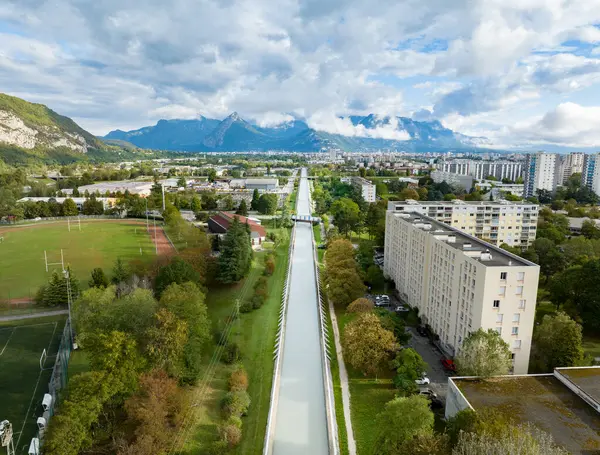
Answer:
x=521 y=73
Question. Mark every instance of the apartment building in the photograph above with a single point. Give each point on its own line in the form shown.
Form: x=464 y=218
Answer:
x=497 y=222
x=590 y=175
x=571 y=164
x=464 y=181
x=460 y=283
x=481 y=169
x=542 y=172
x=367 y=189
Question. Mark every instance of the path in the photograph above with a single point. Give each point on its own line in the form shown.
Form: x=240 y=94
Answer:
x=343 y=381
x=42 y=314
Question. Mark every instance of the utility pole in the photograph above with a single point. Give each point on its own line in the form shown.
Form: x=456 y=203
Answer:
x=147 y=227
x=155 y=243
x=69 y=300
x=163 y=196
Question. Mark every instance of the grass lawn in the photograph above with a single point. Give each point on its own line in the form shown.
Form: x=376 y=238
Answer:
x=98 y=244
x=591 y=346
x=255 y=333
x=22 y=382
x=367 y=398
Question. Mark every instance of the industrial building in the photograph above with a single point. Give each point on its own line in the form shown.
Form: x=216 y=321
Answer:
x=460 y=284
x=497 y=222
x=133 y=187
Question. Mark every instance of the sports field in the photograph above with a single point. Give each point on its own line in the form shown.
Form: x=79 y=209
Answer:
x=22 y=382
x=98 y=244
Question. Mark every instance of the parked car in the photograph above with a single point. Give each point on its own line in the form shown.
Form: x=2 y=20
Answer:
x=448 y=365
x=401 y=309
x=422 y=331
x=434 y=401
x=423 y=381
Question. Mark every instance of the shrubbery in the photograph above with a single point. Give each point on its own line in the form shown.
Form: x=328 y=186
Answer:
x=238 y=380
x=360 y=305
x=232 y=353
x=234 y=405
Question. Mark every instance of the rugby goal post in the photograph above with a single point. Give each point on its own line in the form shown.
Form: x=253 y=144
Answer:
x=43 y=359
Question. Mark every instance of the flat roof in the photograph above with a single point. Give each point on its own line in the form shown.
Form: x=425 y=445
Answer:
x=465 y=243
x=542 y=400
x=585 y=378
x=460 y=203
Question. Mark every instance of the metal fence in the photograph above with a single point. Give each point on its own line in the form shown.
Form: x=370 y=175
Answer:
x=58 y=380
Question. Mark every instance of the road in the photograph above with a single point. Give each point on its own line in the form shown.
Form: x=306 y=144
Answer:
x=301 y=423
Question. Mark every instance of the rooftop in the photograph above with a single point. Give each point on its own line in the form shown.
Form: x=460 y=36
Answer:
x=458 y=202
x=542 y=400
x=486 y=253
x=585 y=379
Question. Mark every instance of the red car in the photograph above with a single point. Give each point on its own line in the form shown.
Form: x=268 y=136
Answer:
x=448 y=365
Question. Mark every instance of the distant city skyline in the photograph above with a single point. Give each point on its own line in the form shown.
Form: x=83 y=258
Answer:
x=522 y=74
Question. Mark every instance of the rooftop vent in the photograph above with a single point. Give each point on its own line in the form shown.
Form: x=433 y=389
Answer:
x=486 y=256
x=451 y=238
x=467 y=246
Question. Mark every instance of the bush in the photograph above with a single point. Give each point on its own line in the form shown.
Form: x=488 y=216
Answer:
x=269 y=265
x=360 y=306
x=218 y=448
x=235 y=421
x=238 y=381
x=257 y=301
x=235 y=404
x=246 y=307
x=230 y=434
x=232 y=353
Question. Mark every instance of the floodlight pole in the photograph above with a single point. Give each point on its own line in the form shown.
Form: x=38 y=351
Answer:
x=147 y=227
x=69 y=299
x=155 y=242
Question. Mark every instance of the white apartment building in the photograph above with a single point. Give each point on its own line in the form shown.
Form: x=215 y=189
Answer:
x=497 y=222
x=542 y=172
x=571 y=164
x=367 y=189
x=460 y=283
x=464 y=181
x=481 y=169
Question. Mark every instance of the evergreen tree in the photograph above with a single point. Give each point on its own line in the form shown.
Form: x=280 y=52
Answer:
x=236 y=253
x=99 y=279
x=55 y=293
x=242 y=209
x=267 y=204
x=255 y=200
x=69 y=208
x=119 y=272
x=285 y=220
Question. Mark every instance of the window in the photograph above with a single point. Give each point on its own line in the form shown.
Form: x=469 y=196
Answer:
x=499 y=330
x=517 y=344
x=520 y=276
x=502 y=290
x=522 y=304
x=516 y=317
x=519 y=290
x=499 y=318
x=503 y=275
x=515 y=331
x=496 y=303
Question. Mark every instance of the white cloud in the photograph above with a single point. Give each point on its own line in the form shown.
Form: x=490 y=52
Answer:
x=324 y=121
x=118 y=63
x=569 y=124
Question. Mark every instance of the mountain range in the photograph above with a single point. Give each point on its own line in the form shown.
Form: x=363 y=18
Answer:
x=360 y=133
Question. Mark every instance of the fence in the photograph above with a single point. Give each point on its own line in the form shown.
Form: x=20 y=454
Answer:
x=58 y=379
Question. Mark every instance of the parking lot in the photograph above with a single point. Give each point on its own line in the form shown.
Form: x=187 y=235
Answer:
x=431 y=355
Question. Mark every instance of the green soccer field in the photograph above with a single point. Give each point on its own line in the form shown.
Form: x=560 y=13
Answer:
x=98 y=244
x=22 y=382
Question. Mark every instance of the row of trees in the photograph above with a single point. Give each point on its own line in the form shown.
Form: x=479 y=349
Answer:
x=139 y=349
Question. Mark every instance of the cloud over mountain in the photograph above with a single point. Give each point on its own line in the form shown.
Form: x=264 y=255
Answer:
x=124 y=64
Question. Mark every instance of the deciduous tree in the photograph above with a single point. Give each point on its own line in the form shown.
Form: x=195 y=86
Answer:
x=484 y=353
x=557 y=342
x=367 y=345
x=402 y=420
x=346 y=214
x=177 y=271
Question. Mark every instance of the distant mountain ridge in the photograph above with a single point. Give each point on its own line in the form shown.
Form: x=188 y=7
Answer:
x=236 y=134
